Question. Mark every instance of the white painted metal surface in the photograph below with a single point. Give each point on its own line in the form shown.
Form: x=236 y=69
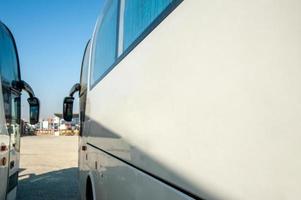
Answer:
x=209 y=101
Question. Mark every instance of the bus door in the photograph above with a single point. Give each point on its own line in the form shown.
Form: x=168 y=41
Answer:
x=13 y=116
x=4 y=148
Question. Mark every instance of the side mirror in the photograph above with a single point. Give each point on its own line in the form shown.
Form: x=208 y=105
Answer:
x=68 y=109
x=34 y=110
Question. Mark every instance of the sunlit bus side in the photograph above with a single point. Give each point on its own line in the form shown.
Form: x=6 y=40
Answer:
x=191 y=100
x=11 y=87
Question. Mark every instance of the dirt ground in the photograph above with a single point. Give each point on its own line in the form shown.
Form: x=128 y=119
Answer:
x=48 y=168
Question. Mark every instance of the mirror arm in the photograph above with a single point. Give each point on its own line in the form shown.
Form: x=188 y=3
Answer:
x=75 y=88
x=34 y=104
x=22 y=85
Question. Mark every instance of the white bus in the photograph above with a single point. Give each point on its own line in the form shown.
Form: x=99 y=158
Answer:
x=11 y=87
x=191 y=99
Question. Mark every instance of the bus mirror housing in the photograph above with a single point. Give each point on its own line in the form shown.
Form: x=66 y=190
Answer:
x=68 y=103
x=34 y=110
x=68 y=108
x=34 y=103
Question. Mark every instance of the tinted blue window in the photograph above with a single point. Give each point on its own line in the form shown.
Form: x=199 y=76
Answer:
x=139 y=14
x=8 y=58
x=84 y=70
x=106 y=41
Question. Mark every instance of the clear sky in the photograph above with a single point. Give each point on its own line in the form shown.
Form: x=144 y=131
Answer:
x=51 y=36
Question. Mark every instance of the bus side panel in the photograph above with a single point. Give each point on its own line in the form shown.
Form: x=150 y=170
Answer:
x=210 y=100
x=12 y=195
x=114 y=180
x=82 y=167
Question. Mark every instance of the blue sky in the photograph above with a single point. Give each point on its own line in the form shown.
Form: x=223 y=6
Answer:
x=51 y=36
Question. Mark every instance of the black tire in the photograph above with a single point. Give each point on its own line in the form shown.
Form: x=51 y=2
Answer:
x=89 y=190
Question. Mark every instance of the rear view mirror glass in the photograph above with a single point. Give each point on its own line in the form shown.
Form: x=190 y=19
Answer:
x=68 y=109
x=34 y=110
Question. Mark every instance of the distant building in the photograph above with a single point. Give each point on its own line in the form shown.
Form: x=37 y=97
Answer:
x=45 y=125
x=63 y=125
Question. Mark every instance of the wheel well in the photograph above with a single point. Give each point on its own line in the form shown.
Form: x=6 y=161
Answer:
x=89 y=189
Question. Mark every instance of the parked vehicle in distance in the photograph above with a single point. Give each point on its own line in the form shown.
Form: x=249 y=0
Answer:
x=11 y=86
x=191 y=100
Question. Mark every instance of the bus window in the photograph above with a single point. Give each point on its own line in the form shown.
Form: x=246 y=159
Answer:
x=105 y=48
x=8 y=59
x=14 y=122
x=139 y=15
x=83 y=86
x=84 y=70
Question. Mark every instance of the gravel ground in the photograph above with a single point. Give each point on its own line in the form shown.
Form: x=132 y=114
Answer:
x=48 y=168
